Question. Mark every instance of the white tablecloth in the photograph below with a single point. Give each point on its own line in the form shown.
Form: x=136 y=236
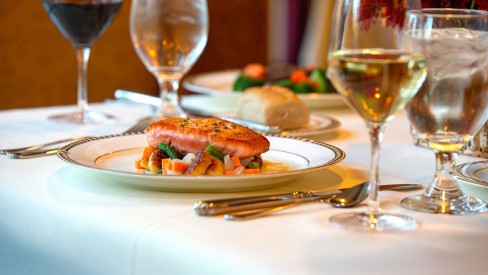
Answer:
x=55 y=219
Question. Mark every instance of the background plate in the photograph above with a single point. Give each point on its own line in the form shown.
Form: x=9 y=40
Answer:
x=473 y=178
x=220 y=84
x=475 y=172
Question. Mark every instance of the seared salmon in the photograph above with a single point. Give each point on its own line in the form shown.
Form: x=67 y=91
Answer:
x=192 y=135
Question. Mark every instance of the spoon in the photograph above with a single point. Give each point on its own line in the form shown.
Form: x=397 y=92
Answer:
x=347 y=198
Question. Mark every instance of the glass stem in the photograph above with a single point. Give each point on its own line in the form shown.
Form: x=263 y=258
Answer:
x=170 y=106
x=376 y=135
x=82 y=56
x=444 y=185
x=169 y=90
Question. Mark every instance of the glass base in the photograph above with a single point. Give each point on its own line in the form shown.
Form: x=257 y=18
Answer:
x=379 y=222
x=89 y=117
x=163 y=115
x=168 y=109
x=463 y=205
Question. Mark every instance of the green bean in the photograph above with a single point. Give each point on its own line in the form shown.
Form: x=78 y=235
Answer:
x=214 y=152
x=169 y=150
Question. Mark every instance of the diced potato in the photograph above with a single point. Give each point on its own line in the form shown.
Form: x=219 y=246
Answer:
x=216 y=167
x=154 y=164
x=199 y=165
x=145 y=163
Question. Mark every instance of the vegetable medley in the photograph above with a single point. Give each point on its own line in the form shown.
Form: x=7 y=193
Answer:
x=165 y=160
x=299 y=81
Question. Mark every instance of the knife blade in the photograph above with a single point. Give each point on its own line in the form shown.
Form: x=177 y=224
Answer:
x=221 y=206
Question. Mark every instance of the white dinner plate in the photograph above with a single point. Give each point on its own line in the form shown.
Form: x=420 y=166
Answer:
x=113 y=156
x=220 y=83
x=474 y=172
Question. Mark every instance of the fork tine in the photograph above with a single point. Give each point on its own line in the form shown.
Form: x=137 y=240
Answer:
x=140 y=126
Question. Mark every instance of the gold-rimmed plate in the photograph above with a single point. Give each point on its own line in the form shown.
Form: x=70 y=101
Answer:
x=473 y=178
x=474 y=172
x=113 y=157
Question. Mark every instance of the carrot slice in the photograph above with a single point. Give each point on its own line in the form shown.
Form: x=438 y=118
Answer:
x=298 y=76
x=165 y=163
x=147 y=152
x=137 y=164
x=229 y=172
x=235 y=161
x=254 y=70
x=251 y=171
x=179 y=166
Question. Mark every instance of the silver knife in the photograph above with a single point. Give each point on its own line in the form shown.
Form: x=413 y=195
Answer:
x=137 y=98
x=222 y=206
x=154 y=101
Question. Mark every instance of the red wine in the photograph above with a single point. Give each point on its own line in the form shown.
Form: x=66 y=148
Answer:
x=82 y=23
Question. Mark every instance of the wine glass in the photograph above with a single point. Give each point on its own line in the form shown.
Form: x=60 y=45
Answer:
x=82 y=22
x=169 y=36
x=377 y=75
x=452 y=104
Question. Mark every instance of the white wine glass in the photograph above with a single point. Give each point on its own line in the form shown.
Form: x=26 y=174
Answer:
x=377 y=75
x=452 y=104
x=169 y=37
x=82 y=22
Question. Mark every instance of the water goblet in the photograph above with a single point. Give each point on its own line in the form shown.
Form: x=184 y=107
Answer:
x=169 y=36
x=452 y=104
x=82 y=22
x=377 y=75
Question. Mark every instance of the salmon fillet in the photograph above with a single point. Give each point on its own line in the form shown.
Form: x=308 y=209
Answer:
x=192 y=135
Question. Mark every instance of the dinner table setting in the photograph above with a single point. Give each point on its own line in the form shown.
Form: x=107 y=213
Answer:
x=387 y=175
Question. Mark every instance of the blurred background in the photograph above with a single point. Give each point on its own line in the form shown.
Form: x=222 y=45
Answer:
x=38 y=67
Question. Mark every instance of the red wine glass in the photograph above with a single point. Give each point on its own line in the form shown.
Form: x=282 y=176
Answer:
x=82 y=22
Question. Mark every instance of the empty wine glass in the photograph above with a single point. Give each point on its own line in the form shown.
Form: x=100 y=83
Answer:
x=82 y=22
x=452 y=104
x=377 y=75
x=169 y=36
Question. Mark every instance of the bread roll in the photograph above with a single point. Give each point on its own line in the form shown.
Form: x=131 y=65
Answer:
x=273 y=105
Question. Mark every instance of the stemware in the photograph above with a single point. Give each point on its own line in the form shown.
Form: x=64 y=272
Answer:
x=169 y=36
x=82 y=22
x=377 y=75
x=452 y=104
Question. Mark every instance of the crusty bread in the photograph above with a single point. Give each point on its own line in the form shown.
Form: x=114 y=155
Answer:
x=273 y=105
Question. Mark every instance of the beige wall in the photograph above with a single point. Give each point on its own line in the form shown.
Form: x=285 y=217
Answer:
x=38 y=68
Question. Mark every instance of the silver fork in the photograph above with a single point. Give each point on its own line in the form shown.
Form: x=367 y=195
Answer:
x=40 y=146
x=38 y=151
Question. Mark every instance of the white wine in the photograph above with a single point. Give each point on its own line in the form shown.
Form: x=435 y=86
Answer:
x=452 y=104
x=377 y=83
x=170 y=39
